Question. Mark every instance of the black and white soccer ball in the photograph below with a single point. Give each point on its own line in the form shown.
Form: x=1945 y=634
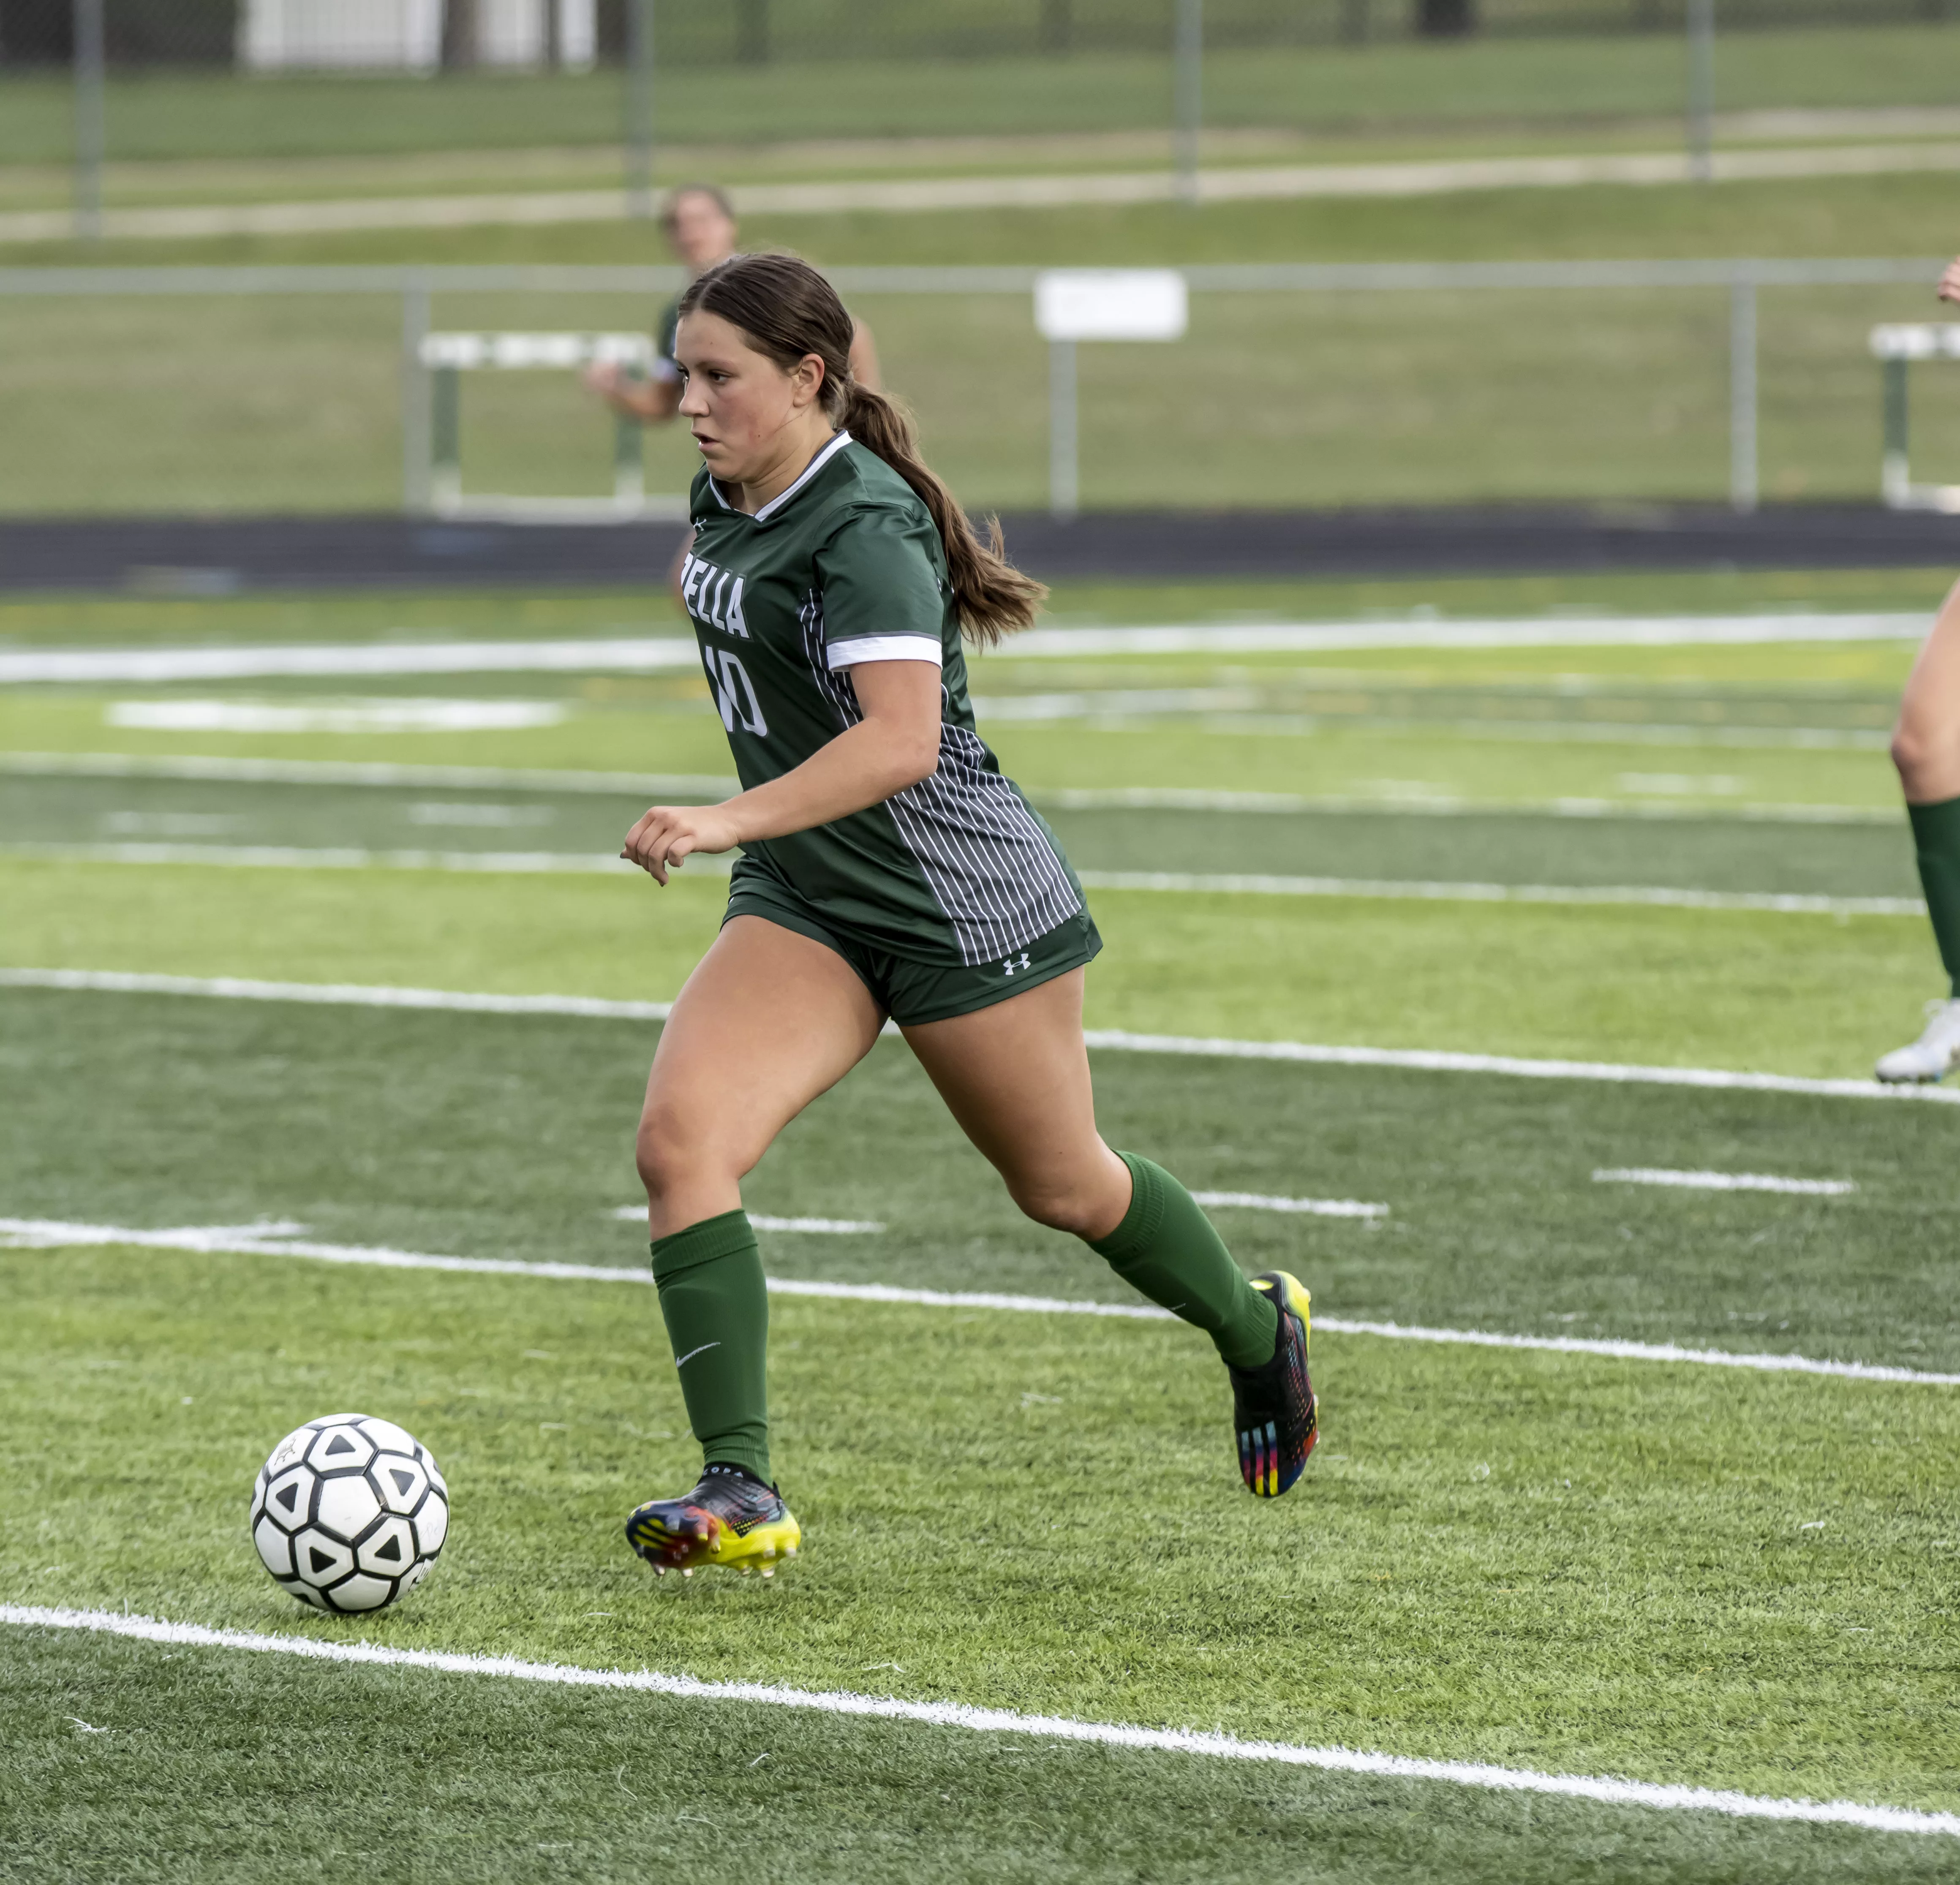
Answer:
x=349 y=1512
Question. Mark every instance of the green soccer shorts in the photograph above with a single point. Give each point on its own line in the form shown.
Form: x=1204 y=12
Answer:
x=912 y=991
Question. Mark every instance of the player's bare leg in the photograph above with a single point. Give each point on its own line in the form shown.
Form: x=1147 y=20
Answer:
x=1016 y=1076
x=1926 y=750
x=767 y=1021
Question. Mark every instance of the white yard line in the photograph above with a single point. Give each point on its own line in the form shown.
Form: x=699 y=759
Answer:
x=612 y=655
x=1109 y=1040
x=819 y=1226
x=172 y=714
x=1600 y=1790
x=675 y=654
x=220 y=770
x=346 y=857
x=1532 y=631
x=1661 y=896
x=1156 y=882
x=1724 y=1181
x=1122 y=1041
x=1304 y=1207
x=332 y=994
x=23 y=1233
x=1440 y=804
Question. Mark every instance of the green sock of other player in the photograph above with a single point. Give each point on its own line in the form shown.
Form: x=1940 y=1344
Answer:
x=716 y=1305
x=1165 y=1249
x=1936 y=835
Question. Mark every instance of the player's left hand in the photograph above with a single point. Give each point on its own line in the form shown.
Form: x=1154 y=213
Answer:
x=662 y=837
x=1949 y=283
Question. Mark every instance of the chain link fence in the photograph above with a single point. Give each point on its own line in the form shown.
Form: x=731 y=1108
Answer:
x=423 y=35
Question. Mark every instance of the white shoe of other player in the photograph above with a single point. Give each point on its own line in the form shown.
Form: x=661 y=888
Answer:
x=1934 y=1054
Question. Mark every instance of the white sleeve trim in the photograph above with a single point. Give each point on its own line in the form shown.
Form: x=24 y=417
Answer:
x=848 y=654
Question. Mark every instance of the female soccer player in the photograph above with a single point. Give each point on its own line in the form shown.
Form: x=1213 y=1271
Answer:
x=1925 y=749
x=700 y=225
x=888 y=869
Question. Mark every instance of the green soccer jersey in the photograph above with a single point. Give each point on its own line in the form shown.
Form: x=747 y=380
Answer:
x=846 y=566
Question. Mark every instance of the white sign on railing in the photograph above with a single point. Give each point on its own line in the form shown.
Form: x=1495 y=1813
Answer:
x=1111 y=304
x=1074 y=304
x=470 y=352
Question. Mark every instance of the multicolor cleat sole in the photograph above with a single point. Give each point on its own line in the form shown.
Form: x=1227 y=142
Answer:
x=1277 y=1413
x=683 y=1535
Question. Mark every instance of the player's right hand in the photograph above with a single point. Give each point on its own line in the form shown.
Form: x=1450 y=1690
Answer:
x=663 y=838
x=1949 y=283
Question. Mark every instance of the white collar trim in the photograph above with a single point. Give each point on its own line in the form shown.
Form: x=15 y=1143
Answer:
x=809 y=472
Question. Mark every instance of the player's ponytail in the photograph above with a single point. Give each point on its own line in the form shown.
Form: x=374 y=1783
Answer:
x=787 y=310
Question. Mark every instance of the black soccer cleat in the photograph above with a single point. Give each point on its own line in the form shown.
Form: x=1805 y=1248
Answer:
x=730 y=1518
x=1274 y=1407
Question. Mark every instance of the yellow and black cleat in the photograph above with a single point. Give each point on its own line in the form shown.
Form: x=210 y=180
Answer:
x=730 y=1518
x=1274 y=1407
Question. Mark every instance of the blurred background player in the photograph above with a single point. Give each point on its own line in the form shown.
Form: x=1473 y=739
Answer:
x=700 y=225
x=1926 y=748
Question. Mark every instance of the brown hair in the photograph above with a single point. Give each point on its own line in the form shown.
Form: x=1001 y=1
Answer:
x=785 y=311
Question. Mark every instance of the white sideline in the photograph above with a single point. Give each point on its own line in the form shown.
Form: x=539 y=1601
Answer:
x=1603 y=1791
x=272 y=1240
x=1724 y=1181
x=672 y=654
x=347 y=857
x=1109 y=1040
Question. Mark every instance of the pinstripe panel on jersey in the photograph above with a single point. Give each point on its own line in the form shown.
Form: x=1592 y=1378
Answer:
x=992 y=867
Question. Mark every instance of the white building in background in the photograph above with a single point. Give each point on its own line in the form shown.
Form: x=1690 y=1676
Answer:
x=405 y=35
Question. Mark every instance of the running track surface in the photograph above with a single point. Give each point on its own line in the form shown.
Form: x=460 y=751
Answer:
x=216 y=555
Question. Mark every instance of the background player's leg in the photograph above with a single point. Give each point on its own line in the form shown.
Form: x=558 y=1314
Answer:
x=1925 y=749
x=1016 y=1076
x=767 y=1021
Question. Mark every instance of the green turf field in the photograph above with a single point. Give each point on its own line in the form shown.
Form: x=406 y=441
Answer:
x=1564 y=1561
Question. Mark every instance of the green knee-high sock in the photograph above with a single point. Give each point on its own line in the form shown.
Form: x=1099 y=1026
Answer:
x=716 y=1305
x=1165 y=1249
x=1935 y=833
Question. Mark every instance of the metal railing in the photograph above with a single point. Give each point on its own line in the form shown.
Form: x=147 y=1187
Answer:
x=1741 y=279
